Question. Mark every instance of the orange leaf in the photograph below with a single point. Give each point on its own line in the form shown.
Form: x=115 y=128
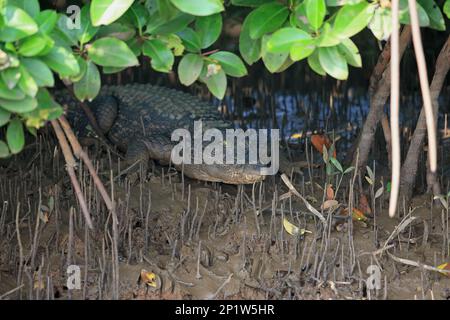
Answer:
x=320 y=140
x=330 y=192
x=149 y=278
x=357 y=214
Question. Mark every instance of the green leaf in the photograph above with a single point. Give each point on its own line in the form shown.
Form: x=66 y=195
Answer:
x=87 y=30
x=135 y=46
x=190 y=68
x=199 y=7
x=62 y=61
x=191 y=40
x=10 y=94
x=337 y=164
x=314 y=63
x=112 y=70
x=89 y=86
x=4 y=117
x=32 y=46
x=112 y=52
x=272 y=61
x=160 y=26
x=66 y=29
x=20 y=106
x=47 y=110
x=162 y=58
x=17 y=24
x=282 y=40
x=46 y=21
x=216 y=83
x=40 y=72
x=209 y=29
x=231 y=63
x=136 y=16
x=299 y=19
x=328 y=38
x=31 y=7
x=10 y=77
x=15 y=136
x=350 y=52
x=333 y=62
x=4 y=151
x=315 y=12
x=349 y=169
x=447 y=8
x=338 y=3
x=404 y=17
x=27 y=83
x=104 y=12
x=117 y=30
x=351 y=19
x=434 y=14
x=301 y=51
x=49 y=44
x=165 y=9
x=250 y=3
x=381 y=24
x=83 y=66
x=267 y=18
x=249 y=48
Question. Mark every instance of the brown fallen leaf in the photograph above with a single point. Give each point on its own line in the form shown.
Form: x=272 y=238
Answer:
x=320 y=140
x=330 y=192
x=329 y=204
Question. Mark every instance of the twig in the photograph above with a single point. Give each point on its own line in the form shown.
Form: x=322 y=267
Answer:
x=70 y=167
x=79 y=153
x=417 y=264
x=424 y=85
x=308 y=205
x=11 y=291
x=221 y=287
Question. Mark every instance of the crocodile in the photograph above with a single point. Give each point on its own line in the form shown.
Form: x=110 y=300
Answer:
x=139 y=119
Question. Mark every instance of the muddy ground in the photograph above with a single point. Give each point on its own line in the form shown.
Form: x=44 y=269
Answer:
x=177 y=238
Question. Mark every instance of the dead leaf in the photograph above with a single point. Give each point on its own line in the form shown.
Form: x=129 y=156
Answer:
x=379 y=192
x=148 y=278
x=321 y=140
x=329 y=204
x=38 y=283
x=330 y=192
x=297 y=135
x=357 y=215
x=292 y=229
x=445 y=266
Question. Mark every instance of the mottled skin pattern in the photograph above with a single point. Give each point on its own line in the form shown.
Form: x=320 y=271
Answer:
x=139 y=119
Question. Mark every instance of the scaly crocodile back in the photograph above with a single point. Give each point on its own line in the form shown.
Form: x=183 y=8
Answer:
x=142 y=110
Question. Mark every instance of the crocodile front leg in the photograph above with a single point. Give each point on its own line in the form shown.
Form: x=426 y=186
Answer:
x=137 y=156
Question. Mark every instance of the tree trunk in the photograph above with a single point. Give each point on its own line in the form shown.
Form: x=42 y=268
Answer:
x=410 y=166
x=380 y=93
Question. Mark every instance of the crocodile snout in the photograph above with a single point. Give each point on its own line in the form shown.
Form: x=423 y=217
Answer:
x=236 y=174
